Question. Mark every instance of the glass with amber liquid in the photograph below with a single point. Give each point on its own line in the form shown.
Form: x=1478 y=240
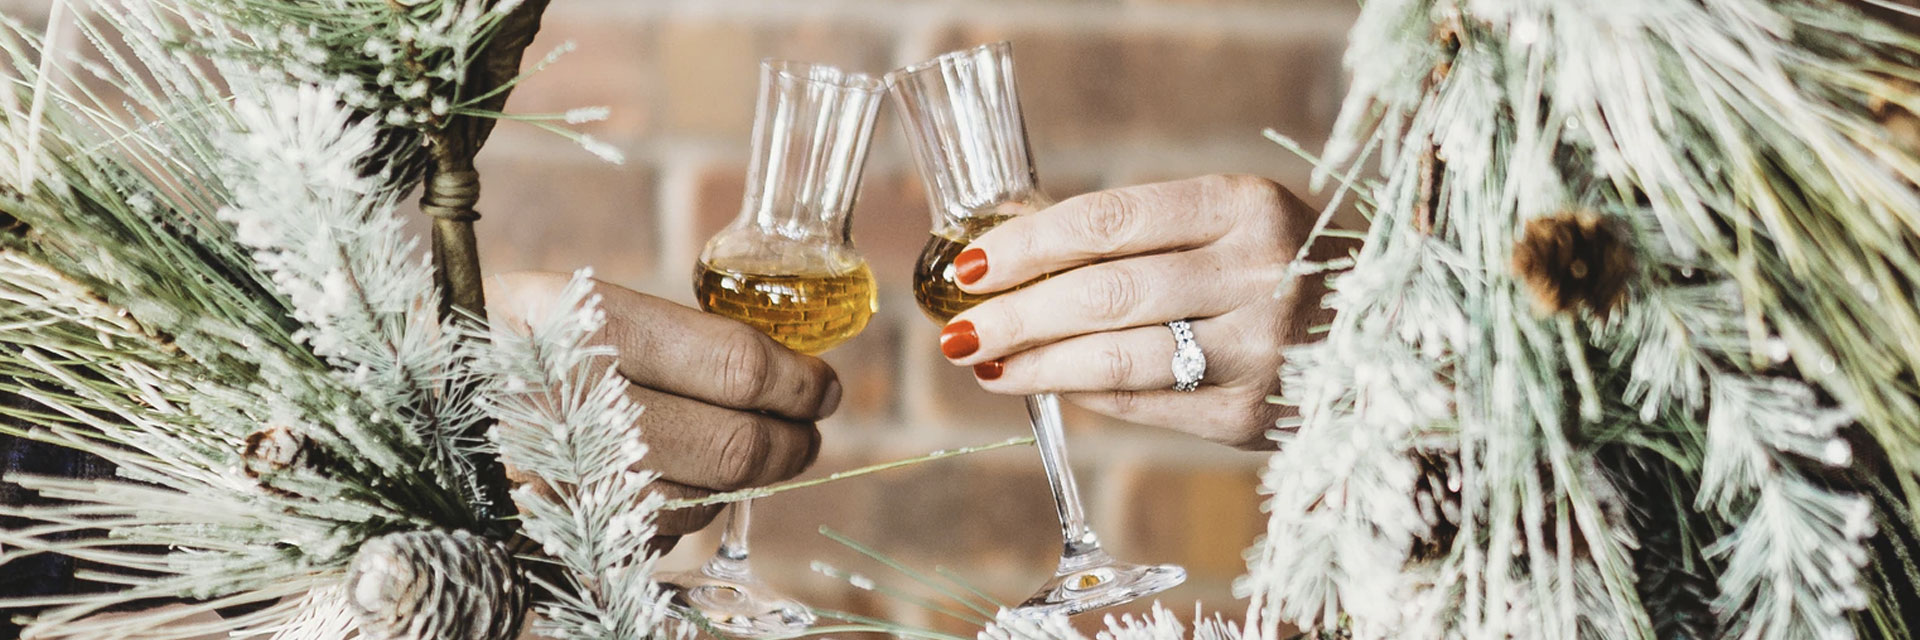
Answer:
x=809 y=308
x=962 y=115
x=934 y=284
x=787 y=267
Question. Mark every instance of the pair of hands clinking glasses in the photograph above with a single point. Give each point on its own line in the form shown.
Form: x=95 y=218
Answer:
x=1085 y=289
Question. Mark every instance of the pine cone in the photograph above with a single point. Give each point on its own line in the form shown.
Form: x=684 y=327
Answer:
x=274 y=449
x=436 y=585
x=1437 y=494
x=1573 y=259
x=1902 y=125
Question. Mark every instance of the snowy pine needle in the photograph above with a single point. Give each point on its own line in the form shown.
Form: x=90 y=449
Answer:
x=565 y=421
x=211 y=255
x=1767 y=331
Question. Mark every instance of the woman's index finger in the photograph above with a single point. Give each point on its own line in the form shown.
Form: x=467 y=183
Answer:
x=1097 y=226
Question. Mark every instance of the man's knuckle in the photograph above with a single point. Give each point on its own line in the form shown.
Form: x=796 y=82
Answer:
x=744 y=361
x=744 y=453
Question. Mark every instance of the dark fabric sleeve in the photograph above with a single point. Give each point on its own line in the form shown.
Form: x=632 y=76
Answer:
x=44 y=574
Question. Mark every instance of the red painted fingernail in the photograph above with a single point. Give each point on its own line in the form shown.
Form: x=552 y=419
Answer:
x=958 y=340
x=989 y=370
x=970 y=265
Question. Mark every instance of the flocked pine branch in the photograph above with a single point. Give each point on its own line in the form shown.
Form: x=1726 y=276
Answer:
x=1672 y=231
x=168 y=425
x=327 y=237
x=207 y=288
x=1158 y=624
x=566 y=423
x=165 y=214
x=407 y=66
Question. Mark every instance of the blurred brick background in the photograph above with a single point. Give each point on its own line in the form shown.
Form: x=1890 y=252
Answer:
x=1117 y=92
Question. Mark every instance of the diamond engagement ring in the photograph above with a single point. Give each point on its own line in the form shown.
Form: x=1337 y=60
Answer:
x=1189 y=364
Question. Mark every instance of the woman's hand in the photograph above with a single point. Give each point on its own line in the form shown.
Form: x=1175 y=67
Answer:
x=1125 y=262
x=726 y=407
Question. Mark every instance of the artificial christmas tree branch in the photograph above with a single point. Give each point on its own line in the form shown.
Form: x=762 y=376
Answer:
x=453 y=188
x=308 y=395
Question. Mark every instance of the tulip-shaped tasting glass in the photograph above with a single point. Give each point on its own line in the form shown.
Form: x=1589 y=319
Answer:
x=962 y=118
x=788 y=268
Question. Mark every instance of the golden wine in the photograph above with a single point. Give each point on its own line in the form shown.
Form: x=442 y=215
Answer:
x=808 y=312
x=933 y=278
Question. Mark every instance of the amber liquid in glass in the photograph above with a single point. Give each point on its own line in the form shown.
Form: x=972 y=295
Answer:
x=808 y=312
x=933 y=280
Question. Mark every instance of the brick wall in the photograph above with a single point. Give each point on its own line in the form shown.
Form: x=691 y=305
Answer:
x=1116 y=91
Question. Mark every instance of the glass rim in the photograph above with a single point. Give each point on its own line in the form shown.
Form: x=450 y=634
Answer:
x=1004 y=47
x=822 y=74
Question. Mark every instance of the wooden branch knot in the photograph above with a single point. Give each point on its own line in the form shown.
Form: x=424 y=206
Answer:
x=451 y=195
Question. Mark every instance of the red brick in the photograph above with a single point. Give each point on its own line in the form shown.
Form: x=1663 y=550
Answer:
x=710 y=67
x=1112 y=86
x=561 y=209
x=708 y=72
x=605 y=69
x=716 y=199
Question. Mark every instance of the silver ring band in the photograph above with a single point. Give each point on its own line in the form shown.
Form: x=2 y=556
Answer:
x=1189 y=363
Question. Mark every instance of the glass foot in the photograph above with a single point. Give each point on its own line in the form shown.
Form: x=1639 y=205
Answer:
x=745 y=609
x=1102 y=585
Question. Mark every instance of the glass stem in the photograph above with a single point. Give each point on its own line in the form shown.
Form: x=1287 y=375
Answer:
x=1082 y=548
x=730 y=560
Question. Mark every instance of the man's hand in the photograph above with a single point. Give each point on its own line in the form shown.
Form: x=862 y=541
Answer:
x=726 y=407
